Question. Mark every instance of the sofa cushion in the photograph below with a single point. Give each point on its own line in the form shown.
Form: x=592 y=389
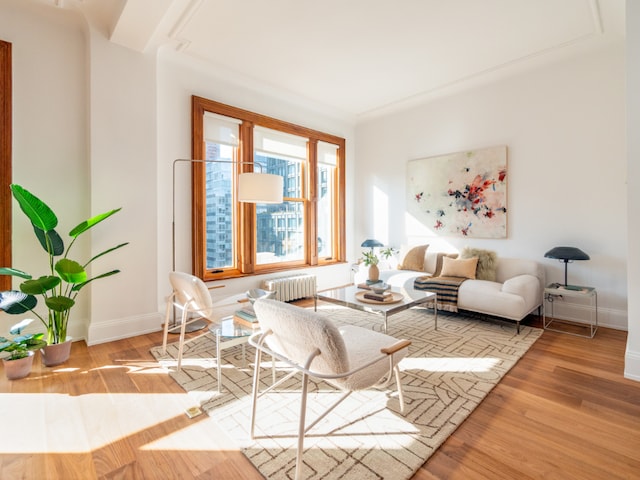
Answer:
x=433 y=261
x=483 y=296
x=414 y=259
x=487 y=262
x=459 y=267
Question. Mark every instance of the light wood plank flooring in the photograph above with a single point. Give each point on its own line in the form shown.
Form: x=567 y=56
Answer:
x=563 y=412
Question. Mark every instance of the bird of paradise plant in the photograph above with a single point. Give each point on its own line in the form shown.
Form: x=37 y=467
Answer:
x=65 y=277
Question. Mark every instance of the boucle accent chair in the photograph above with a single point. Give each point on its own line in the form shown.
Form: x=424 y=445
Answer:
x=191 y=296
x=348 y=357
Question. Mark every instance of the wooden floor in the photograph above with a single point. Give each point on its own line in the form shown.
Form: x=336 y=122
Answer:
x=563 y=412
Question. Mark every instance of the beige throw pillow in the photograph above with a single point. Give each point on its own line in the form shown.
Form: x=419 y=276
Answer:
x=441 y=255
x=487 y=262
x=459 y=267
x=414 y=259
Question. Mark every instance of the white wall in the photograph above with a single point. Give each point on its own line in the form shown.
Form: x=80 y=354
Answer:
x=50 y=134
x=123 y=159
x=632 y=359
x=564 y=126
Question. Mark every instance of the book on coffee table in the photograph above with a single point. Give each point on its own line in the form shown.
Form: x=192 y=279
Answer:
x=381 y=297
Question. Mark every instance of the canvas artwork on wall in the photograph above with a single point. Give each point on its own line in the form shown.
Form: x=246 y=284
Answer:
x=461 y=194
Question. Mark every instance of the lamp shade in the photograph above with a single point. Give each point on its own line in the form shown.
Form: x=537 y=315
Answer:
x=567 y=253
x=370 y=243
x=260 y=188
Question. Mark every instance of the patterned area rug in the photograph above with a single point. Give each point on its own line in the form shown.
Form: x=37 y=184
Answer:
x=447 y=374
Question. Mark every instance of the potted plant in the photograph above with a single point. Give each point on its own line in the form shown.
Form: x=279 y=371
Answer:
x=20 y=349
x=63 y=279
x=371 y=260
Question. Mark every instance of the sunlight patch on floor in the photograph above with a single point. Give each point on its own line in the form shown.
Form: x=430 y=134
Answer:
x=60 y=423
x=453 y=364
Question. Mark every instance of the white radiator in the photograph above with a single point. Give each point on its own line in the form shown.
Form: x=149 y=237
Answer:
x=292 y=287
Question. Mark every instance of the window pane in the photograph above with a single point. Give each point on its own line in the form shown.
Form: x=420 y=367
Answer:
x=219 y=214
x=290 y=170
x=280 y=232
x=325 y=210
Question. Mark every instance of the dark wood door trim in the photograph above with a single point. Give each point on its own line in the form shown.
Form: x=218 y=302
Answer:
x=5 y=161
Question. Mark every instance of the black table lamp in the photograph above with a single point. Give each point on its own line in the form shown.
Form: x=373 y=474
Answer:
x=371 y=243
x=566 y=255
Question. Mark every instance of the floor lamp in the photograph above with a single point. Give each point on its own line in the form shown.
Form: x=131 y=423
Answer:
x=253 y=187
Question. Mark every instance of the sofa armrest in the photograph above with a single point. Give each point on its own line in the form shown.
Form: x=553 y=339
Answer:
x=526 y=286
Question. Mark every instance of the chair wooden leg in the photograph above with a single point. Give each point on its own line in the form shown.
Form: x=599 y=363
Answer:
x=301 y=428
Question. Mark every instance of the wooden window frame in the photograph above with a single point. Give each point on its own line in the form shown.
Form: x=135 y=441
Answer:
x=246 y=242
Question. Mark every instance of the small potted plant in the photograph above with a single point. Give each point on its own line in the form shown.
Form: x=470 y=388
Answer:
x=371 y=260
x=20 y=349
x=62 y=281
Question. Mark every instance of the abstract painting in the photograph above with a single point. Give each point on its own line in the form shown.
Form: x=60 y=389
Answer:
x=461 y=194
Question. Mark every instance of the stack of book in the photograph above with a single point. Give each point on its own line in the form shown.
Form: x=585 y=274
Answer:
x=246 y=317
x=380 y=297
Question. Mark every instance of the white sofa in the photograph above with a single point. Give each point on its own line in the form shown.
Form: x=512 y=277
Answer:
x=516 y=293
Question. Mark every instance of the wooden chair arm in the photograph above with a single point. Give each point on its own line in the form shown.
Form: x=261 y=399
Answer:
x=395 y=347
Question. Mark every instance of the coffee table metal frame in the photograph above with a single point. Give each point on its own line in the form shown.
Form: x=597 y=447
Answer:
x=228 y=334
x=346 y=297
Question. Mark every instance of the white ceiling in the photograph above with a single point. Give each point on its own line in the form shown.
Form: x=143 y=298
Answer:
x=361 y=57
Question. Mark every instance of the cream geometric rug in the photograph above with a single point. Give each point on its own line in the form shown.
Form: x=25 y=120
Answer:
x=446 y=375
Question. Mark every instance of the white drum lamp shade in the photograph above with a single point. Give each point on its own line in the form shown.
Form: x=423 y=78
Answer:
x=260 y=188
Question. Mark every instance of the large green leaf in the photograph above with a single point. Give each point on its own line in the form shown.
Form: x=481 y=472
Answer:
x=35 y=209
x=87 y=224
x=40 y=285
x=50 y=241
x=15 y=303
x=15 y=272
x=59 y=304
x=106 y=251
x=71 y=271
x=108 y=274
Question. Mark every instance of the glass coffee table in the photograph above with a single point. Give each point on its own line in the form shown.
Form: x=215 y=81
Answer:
x=229 y=334
x=352 y=297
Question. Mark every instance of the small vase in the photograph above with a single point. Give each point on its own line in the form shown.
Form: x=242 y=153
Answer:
x=20 y=368
x=374 y=273
x=56 y=353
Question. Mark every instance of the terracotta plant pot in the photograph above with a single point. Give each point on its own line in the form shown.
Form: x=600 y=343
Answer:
x=15 y=369
x=374 y=273
x=56 y=353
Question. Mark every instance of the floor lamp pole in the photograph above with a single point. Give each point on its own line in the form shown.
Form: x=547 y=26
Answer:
x=198 y=324
x=267 y=189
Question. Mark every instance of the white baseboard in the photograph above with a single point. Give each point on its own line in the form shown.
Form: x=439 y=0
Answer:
x=607 y=317
x=632 y=365
x=118 y=329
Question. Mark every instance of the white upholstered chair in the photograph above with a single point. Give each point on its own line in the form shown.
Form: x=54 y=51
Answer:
x=190 y=296
x=348 y=357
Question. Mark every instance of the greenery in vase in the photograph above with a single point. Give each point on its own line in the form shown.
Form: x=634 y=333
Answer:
x=65 y=277
x=20 y=345
x=371 y=258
